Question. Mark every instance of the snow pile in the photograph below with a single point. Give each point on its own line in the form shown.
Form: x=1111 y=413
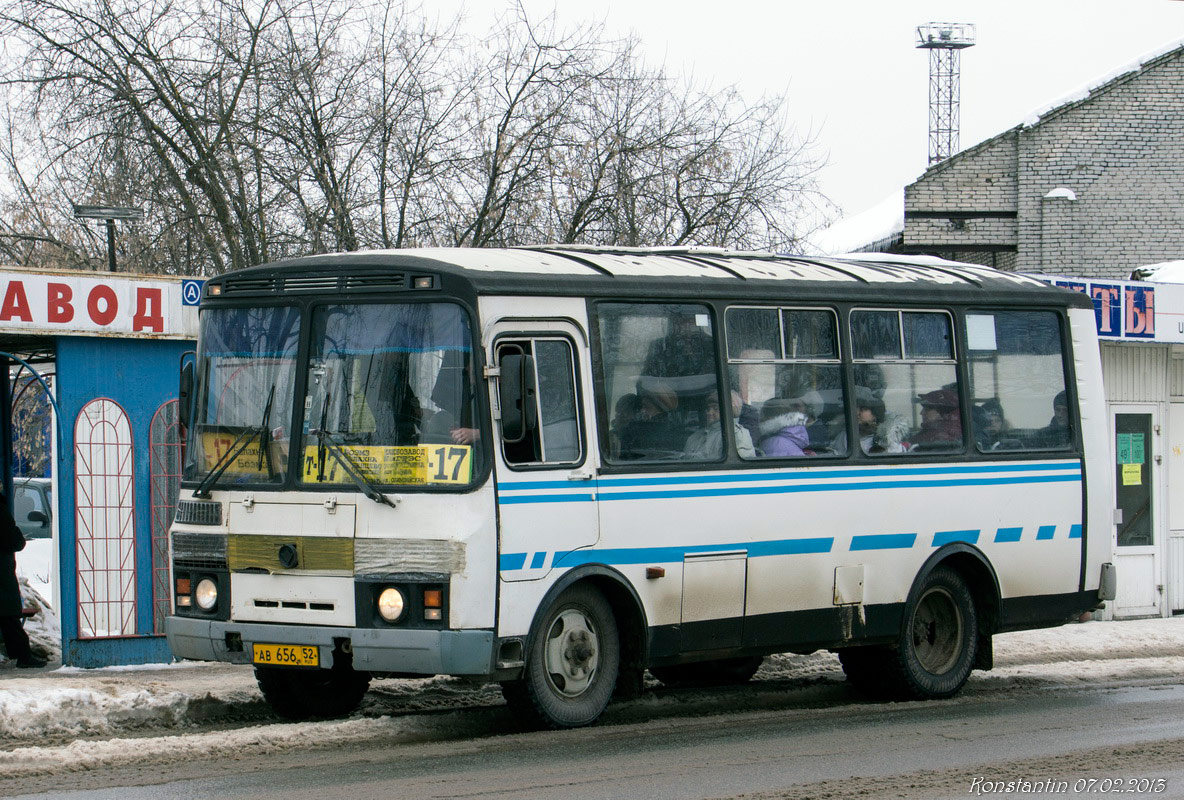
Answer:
x=35 y=563
x=89 y=754
x=881 y=221
x=39 y=710
x=1164 y=272
x=33 y=570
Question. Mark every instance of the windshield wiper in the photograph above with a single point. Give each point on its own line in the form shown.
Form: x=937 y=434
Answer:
x=325 y=440
x=238 y=446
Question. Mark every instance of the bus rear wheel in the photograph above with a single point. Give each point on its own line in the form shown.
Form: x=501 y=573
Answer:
x=571 y=666
x=305 y=694
x=935 y=653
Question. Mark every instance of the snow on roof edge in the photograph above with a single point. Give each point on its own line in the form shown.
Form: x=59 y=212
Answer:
x=882 y=221
x=1083 y=92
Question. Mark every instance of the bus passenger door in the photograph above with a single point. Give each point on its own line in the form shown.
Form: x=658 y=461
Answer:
x=545 y=462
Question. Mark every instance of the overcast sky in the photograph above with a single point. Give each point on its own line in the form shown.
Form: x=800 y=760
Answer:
x=851 y=72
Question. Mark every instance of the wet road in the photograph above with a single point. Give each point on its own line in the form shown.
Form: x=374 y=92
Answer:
x=838 y=748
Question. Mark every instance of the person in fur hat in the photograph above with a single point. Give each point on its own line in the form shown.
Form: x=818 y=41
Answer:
x=783 y=428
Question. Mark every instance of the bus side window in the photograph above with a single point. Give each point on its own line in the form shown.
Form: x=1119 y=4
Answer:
x=555 y=438
x=1017 y=381
x=907 y=397
x=786 y=381
x=661 y=383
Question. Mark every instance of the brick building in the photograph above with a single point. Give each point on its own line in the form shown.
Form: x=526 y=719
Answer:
x=1093 y=189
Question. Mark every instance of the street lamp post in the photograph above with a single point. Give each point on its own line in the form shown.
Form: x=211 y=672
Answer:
x=109 y=214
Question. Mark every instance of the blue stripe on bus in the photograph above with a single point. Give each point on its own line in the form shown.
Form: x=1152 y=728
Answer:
x=945 y=537
x=547 y=498
x=813 y=474
x=815 y=487
x=510 y=562
x=1045 y=532
x=1008 y=534
x=883 y=541
x=649 y=555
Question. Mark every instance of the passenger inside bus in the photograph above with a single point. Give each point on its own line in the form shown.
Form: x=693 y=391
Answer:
x=655 y=432
x=707 y=443
x=1056 y=433
x=452 y=395
x=941 y=420
x=991 y=429
x=880 y=433
x=783 y=428
x=626 y=410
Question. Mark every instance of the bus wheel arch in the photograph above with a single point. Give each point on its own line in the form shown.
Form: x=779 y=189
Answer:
x=592 y=590
x=983 y=583
x=945 y=631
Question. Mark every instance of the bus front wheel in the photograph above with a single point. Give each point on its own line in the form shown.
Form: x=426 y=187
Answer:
x=303 y=694
x=571 y=666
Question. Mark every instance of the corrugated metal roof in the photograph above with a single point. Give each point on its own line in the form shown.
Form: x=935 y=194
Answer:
x=576 y=270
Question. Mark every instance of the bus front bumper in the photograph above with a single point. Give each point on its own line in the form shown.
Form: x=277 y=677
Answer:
x=417 y=652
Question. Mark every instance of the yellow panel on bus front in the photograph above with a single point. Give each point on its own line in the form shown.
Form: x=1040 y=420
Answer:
x=412 y=465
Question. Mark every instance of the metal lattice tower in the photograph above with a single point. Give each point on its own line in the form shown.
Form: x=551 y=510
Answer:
x=944 y=41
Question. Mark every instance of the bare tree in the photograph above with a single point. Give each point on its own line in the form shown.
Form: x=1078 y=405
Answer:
x=251 y=130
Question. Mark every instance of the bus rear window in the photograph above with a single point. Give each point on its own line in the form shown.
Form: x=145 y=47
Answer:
x=1017 y=381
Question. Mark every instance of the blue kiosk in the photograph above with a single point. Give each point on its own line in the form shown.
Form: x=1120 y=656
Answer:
x=115 y=342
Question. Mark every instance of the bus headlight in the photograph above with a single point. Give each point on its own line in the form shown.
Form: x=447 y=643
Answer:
x=391 y=604
x=206 y=594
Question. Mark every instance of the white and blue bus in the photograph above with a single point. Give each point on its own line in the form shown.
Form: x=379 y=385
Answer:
x=557 y=467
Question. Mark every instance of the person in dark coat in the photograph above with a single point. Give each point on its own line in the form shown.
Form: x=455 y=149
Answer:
x=16 y=641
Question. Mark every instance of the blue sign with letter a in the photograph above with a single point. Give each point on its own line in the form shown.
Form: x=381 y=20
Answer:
x=191 y=292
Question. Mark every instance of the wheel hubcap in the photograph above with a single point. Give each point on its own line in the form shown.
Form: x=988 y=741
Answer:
x=572 y=653
x=937 y=631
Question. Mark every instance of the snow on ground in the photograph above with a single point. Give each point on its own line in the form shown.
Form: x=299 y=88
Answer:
x=34 y=571
x=118 y=701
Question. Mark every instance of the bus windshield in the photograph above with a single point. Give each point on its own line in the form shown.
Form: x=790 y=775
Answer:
x=243 y=400
x=391 y=396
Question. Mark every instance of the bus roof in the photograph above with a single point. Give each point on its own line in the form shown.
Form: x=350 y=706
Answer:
x=659 y=272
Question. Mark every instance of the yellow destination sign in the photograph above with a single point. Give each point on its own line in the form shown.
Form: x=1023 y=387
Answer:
x=414 y=465
x=215 y=446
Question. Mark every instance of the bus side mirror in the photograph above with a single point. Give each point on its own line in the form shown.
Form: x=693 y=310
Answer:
x=516 y=390
x=185 y=393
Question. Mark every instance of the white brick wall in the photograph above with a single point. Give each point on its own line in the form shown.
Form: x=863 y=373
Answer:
x=1121 y=151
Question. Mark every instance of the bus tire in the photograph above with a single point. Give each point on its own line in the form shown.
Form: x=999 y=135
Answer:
x=719 y=672
x=304 y=694
x=938 y=641
x=571 y=666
